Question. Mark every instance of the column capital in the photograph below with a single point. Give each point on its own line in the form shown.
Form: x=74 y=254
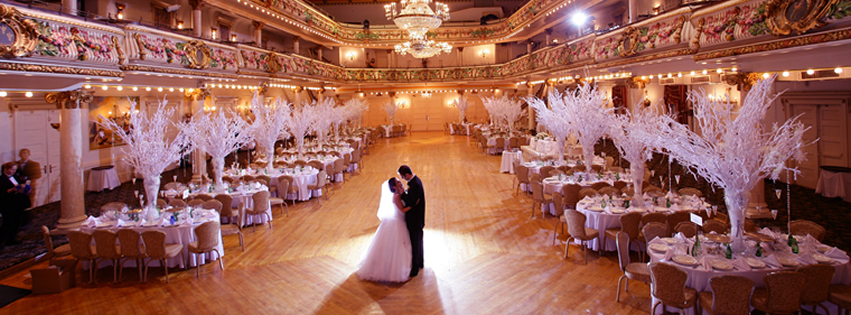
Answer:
x=197 y=4
x=257 y=24
x=391 y=94
x=296 y=39
x=460 y=49
x=69 y=99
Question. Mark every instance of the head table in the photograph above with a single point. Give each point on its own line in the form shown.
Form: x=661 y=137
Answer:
x=711 y=260
x=179 y=230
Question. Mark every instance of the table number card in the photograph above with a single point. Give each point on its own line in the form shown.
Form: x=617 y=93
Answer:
x=696 y=219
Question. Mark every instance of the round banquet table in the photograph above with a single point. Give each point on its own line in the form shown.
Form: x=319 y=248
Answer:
x=174 y=234
x=508 y=160
x=102 y=178
x=492 y=142
x=700 y=274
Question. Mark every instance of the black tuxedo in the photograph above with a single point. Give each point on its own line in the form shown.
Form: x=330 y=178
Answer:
x=12 y=205
x=414 y=197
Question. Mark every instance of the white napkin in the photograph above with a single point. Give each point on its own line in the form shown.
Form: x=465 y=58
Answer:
x=164 y=220
x=669 y=255
x=810 y=240
x=608 y=208
x=772 y=261
x=807 y=258
x=704 y=264
x=669 y=195
x=741 y=264
x=90 y=221
x=120 y=223
x=187 y=221
x=645 y=196
x=675 y=207
x=836 y=253
x=680 y=237
x=587 y=199
x=768 y=232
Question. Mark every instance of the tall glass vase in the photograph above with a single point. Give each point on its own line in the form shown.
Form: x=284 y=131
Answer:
x=737 y=202
x=560 y=143
x=218 y=170
x=152 y=190
x=637 y=170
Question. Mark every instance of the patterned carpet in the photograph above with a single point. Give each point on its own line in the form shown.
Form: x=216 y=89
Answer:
x=806 y=204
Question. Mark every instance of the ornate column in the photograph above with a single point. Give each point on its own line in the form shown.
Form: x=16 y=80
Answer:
x=528 y=46
x=199 y=157
x=633 y=12
x=391 y=59
x=459 y=56
x=297 y=91
x=295 y=44
x=69 y=7
x=196 y=16
x=73 y=208
x=548 y=40
x=319 y=53
x=258 y=33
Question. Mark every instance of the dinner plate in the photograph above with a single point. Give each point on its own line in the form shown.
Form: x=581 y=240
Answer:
x=658 y=247
x=105 y=225
x=618 y=210
x=595 y=209
x=685 y=260
x=721 y=265
x=754 y=263
x=822 y=258
x=788 y=262
x=669 y=240
x=718 y=238
x=759 y=237
x=823 y=248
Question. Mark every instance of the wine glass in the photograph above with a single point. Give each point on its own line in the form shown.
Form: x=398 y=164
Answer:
x=774 y=214
x=778 y=193
x=136 y=192
x=174 y=178
x=133 y=180
x=677 y=178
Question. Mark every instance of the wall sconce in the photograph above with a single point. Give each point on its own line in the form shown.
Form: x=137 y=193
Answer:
x=646 y=99
x=351 y=55
x=180 y=24
x=485 y=53
x=233 y=38
x=657 y=9
x=120 y=14
x=213 y=32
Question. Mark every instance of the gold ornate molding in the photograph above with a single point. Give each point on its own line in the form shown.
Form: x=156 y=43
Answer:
x=26 y=67
x=116 y=44
x=695 y=42
x=199 y=54
x=197 y=94
x=628 y=42
x=272 y=63
x=178 y=71
x=18 y=36
x=69 y=99
x=786 y=16
x=637 y=83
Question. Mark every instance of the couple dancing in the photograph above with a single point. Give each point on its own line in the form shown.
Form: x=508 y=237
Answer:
x=396 y=251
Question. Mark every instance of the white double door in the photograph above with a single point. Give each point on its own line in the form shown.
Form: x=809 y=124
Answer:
x=33 y=132
x=826 y=115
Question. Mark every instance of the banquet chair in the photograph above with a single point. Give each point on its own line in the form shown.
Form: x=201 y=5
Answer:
x=609 y=190
x=177 y=203
x=545 y=171
x=538 y=196
x=194 y=203
x=357 y=160
x=500 y=145
x=687 y=228
x=730 y=295
x=651 y=231
x=720 y=216
x=132 y=247
x=339 y=167
x=628 y=190
x=213 y=204
x=206 y=240
x=279 y=201
x=649 y=217
x=616 y=169
x=714 y=226
x=53 y=252
x=566 y=170
x=675 y=218
x=635 y=271
x=161 y=203
x=840 y=294
x=651 y=189
x=316 y=164
x=750 y=226
x=82 y=249
x=688 y=191
x=293 y=188
x=596 y=168
x=112 y=206
x=277 y=164
x=619 y=185
x=347 y=162
x=106 y=243
x=587 y=192
x=629 y=226
x=204 y=197
x=579 y=168
x=247 y=178
x=265 y=178
x=521 y=176
x=610 y=162
x=233 y=227
x=558 y=202
x=261 y=207
x=486 y=146
x=514 y=143
x=578 y=231
x=817 y=287
x=804 y=227
x=225 y=199
x=599 y=185
x=570 y=193
x=668 y=286
x=782 y=293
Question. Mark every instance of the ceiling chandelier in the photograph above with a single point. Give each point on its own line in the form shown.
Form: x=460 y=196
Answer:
x=418 y=19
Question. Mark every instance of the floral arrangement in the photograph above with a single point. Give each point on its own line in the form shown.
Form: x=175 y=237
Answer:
x=219 y=134
x=271 y=122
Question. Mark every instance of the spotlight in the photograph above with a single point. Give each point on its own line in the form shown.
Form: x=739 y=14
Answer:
x=120 y=88
x=810 y=71
x=3 y=94
x=29 y=94
x=578 y=18
x=148 y=88
x=135 y=88
x=785 y=73
x=838 y=70
x=765 y=75
x=104 y=87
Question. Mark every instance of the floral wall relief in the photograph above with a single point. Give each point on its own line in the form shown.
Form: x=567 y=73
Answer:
x=72 y=42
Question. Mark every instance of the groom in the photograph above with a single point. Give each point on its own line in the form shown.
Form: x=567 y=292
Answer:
x=414 y=197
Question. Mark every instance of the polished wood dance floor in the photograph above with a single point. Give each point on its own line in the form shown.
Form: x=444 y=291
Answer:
x=483 y=254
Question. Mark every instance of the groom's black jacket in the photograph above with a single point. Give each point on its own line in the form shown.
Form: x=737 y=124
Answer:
x=414 y=197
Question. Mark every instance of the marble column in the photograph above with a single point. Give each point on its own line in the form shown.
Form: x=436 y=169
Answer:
x=72 y=204
x=548 y=39
x=319 y=53
x=459 y=56
x=633 y=11
x=196 y=16
x=69 y=7
x=528 y=46
x=199 y=157
x=258 y=33
x=297 y=97
x=295 y=45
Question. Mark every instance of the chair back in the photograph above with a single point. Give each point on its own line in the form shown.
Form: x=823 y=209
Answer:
x=207 y=234
x=316 y=164
x=265 y=178
x=668 y=283
x=597 y=168
x=500 y=143
x=226 y=200
x=321 y=178
x=197 y=202
x=570 y=193
x=347 y=159
x=214 y=205
x=629 y=224
x=653 y=189
x=545 y=171
x=154 y=243
x=558 y=202
x=112 y=206
x=339 y=165
x=654 y=229
x=522 y=173
x=676 y=217
x=579 y=168
x=204 y=197
x=784 y=291
x=804 y=227
x=688 y=191
x=731 y=294
x=817 y=287
x=714 y=226
x=48 y=242
x=284 y=188
x=131 y=243
x=622 y=241
x=567 y=170
x=600 y=185
x=300 y=163
x=609 y=190
x=653 y=217
x=514 y=142
x=619 y=185
x=105 y=241
x=261 y=201
x=177 y=203
x=81 y=245
x=687 y=228
x=575 y=223
x=587 y=192
x=289 y=179
x=537 y=190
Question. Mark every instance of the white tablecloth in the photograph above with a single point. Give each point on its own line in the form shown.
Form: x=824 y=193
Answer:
x=176 y=234
x=100 y=179
x=833 y=184
x=492 y=142
x=508 y=159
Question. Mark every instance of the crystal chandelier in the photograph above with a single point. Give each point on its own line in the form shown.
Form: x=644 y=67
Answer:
x=418 y=19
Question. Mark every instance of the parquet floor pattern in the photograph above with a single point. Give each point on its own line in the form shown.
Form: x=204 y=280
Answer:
x=483 y=254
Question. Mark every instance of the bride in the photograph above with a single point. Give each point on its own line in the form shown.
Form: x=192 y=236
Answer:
x=388 y=257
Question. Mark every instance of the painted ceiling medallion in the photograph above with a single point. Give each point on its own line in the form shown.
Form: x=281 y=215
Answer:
x=198 y=53
x=786 y=16
x=18 y=36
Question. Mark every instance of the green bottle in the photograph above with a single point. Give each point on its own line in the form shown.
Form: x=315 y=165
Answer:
x=793 y=243
x=729 y=252
x=617 y=175
x=603 y=203
x=668 y=202
x=696 y=248
x=758 y=252
x=626 y=203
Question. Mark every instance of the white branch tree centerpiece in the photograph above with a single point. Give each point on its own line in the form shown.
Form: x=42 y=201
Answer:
x=624 y=133
x=323 y=113
x=270 y=124
x=512 y=110
x=149 y=148
x=391 y=109
x=219 y=134
x=553 y=118
x=462 y=103
x=356 y=108
x=733 y=150
x=301 y=122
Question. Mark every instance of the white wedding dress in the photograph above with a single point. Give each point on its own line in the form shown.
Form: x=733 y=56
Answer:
x=388 y=257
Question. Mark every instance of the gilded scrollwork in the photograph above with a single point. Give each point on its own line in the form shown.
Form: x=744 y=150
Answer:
x=272 y=63
x=18 y=36
x=69 y=99
x=628 y=42
x=116 y=44
x=198 y=54
x=786 y=16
